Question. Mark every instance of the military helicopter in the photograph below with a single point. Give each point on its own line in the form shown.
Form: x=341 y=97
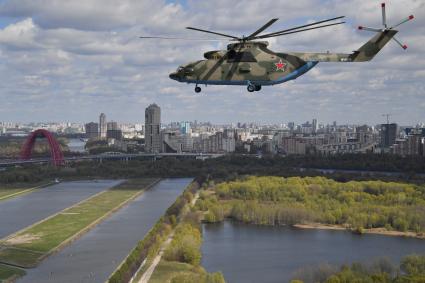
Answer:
x=249 y=62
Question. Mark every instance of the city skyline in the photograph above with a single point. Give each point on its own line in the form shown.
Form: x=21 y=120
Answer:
x=59 y=59
x=260 y=123
x=310 y=137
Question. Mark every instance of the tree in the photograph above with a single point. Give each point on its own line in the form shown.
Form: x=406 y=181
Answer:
x=413 y=265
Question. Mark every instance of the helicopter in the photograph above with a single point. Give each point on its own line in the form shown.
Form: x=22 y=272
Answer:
x=249 y=62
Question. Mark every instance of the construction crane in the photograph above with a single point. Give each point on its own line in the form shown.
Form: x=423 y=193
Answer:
x=388 y=117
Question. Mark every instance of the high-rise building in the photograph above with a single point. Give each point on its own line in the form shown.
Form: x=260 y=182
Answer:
x=389 y=133
x=114 y=134
x=291 y=126
x=174 y=142
x=364 y=134
x=423 y=147
x=113 y=131
x=185 y=128
x=413 y=144
x=293 y=145
x=152 y=128
x=112 y=126
x=92 y=130
x=314 y=126
x=102 y=126
x=307 y=128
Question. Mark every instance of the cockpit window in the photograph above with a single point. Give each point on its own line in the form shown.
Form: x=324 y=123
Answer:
x=234 y=56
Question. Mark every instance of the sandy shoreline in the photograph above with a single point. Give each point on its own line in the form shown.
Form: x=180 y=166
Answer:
x=380 y=231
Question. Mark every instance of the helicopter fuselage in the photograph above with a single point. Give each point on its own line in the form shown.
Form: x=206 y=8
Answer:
x=249 y=63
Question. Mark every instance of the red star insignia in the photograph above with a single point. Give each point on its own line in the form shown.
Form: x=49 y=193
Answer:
x=280 y=65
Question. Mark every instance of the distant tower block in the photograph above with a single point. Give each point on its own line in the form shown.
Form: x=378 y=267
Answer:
x=314 y=126
x=152 y=128
x=92 y=130
x=102 y=126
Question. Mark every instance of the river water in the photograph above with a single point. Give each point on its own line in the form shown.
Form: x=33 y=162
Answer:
x=250 y=253
x=77 y=145
x=94 y=256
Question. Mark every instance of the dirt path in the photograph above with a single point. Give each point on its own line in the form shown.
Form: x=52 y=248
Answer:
x=148 y=273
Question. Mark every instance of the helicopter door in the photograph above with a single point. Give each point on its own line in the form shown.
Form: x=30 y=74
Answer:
x=244 y=69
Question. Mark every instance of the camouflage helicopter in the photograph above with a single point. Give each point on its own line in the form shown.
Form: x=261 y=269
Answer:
x=249 y=62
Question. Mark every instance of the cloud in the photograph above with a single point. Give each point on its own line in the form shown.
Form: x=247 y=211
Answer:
x=20 y=36
x=70 y=60
x=94 y=15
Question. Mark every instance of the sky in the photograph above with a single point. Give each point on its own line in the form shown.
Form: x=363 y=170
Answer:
x=71 y=60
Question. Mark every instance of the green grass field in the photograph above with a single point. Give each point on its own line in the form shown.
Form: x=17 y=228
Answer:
x=8 y=272
x=31 y=245
x=166 y=270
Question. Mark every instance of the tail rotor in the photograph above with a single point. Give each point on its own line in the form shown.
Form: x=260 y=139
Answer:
x=386 y=28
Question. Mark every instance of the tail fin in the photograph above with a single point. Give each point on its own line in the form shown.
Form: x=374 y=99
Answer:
x=373 y=46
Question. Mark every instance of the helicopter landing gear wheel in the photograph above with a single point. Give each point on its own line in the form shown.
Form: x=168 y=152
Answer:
x=257 y=87
x=197 y=89
x=251 y=88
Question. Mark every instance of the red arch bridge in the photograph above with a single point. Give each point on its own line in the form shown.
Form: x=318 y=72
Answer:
x=55 y=151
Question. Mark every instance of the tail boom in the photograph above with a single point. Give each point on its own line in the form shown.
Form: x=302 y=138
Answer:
x=363 y=54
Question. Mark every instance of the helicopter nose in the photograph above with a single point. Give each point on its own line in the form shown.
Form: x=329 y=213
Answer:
x=174 y=76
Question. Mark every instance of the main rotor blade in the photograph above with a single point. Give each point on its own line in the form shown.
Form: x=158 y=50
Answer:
x=285 y=33
x=269 y=23
x=213 y=32
x=295 y=28
x=369 y=29
x=181 y=38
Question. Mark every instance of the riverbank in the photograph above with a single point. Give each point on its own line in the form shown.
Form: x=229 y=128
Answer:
x=142 y=256
x=377 y=231
x=171 y=250
x=15 y=190
x=392 y=208
x=9 y=273
x=273 y=206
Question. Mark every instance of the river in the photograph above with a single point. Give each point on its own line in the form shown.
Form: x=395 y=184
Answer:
x=77 y=145
x=94 y=256
x=250 y=253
